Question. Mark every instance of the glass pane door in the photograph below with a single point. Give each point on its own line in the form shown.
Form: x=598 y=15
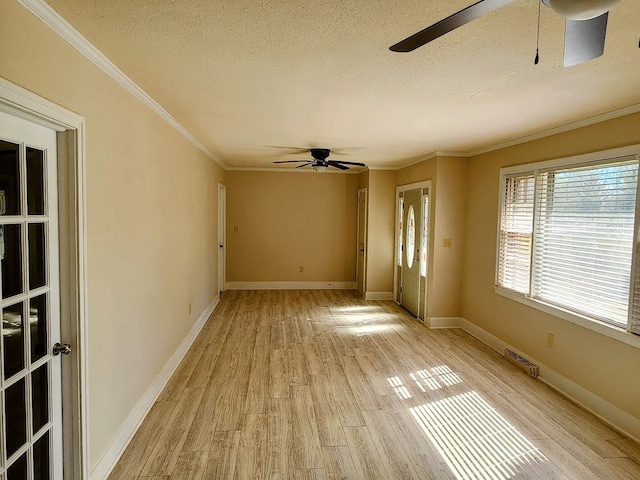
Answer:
x=29 y=373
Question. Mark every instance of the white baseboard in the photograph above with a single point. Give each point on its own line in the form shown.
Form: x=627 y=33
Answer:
x=606 y=411
x=109 y=459
x=378 y=296
x=443 y=322
x=291 y=285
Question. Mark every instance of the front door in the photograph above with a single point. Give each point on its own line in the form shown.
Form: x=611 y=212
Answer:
x=30 y=378
x=411 y=221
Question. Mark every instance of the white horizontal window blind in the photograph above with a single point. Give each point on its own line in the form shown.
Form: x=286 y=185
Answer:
x=583 y=239
x=569 y=238
x=634 y=315
x=516 y=226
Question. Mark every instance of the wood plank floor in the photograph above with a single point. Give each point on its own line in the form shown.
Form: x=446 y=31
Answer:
x=314 y=385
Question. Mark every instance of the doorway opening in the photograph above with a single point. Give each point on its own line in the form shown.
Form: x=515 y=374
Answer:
x=222 y=238
x=412 y=248
x=361 y=242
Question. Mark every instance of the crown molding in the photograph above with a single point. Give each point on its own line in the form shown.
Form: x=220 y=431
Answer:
x=429 y=156
x=561 y=129
x=383 y=169
x=59 y=25
x=630 y=110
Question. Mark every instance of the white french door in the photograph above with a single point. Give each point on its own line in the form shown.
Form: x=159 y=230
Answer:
x=30 y=375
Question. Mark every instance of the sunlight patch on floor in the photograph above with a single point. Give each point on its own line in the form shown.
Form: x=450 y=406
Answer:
x=474 y=439
x=357 y=309
x=371 y=328
x=435 y=378
x=399 y=387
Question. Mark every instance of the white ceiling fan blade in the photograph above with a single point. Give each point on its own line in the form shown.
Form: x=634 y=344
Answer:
x=584 y=39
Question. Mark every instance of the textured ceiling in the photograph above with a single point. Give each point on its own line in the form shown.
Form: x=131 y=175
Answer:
x=245 y=75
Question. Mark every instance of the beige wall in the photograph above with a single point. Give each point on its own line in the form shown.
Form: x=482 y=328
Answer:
x=363 y=179
x=595 y=362
x=380 y=238
x=287 y=220
x=151 y=220
x=445 y=297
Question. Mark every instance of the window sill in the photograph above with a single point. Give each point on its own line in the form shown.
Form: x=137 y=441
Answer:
x=594 y=325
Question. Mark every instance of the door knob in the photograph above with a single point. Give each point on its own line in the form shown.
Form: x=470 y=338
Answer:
x=64 y=348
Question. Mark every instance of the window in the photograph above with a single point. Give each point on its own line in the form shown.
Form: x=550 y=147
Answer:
x=399 y=240
x=411 y=236
x=424 y=243
x=566 y=237
x=516 y=229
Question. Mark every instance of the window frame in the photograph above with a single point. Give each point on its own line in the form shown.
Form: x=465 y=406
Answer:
x=593 y=324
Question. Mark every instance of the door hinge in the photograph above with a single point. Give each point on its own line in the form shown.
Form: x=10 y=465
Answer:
x=400 y=289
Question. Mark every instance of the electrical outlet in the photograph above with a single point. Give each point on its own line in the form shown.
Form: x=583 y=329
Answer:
x=301 y=269
x=551 y=341
x=446 y=242
x=236 y=229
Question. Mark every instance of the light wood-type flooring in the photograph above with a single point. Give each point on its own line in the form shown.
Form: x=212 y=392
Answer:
x=313 y=385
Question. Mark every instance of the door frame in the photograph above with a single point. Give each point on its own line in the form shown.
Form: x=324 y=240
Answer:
x=426 y=184
x=222 y=238
x=70 y=128
x=364 y=192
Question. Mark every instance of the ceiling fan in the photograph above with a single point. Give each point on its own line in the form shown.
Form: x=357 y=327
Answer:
x=320 y=162
x=585 y=26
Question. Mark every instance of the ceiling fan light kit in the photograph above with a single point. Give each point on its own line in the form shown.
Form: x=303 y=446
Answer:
x=580 y=9
x=585 y=26
x=320 y=162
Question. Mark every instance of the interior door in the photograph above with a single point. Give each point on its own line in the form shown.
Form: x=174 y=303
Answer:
x=412 y=228
x=222 y=237
x=30 y=378
x=361 y=241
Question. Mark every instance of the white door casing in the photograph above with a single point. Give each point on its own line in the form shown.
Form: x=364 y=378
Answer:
x=25 y=105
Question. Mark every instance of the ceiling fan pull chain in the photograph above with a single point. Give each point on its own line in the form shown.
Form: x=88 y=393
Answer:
x=537 y=59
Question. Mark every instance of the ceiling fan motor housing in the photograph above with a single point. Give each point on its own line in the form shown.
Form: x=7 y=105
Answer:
x=580 y=9
x=320 y=153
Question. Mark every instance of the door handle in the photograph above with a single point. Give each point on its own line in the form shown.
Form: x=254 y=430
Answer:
x=64 y=349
